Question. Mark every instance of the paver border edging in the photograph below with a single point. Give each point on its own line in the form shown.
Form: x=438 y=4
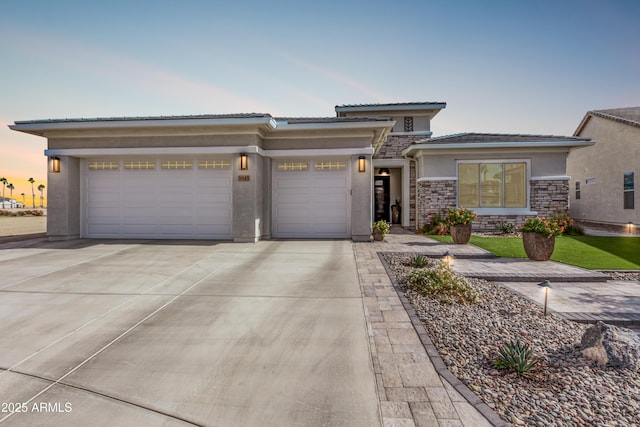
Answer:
x=439 y=365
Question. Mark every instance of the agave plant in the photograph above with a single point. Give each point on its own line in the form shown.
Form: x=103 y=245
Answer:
x=516 y=356
x=419 y=261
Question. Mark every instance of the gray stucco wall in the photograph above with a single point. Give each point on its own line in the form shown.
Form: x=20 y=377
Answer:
x=63 y=205
x=155 y=141
x=617 y=150
x=361 y=200
x=542 y=163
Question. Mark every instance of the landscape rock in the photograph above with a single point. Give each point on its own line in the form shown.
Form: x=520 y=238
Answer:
x=612 y=346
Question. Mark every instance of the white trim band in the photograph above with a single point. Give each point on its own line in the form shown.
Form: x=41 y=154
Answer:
x=437 y=178
x=551 y=178
x=159 y=151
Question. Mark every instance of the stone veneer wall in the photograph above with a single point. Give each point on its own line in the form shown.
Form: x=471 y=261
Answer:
x=395 y=144
x=549 y=196
x=412 y=195
x=546 y=197
x=435 y=197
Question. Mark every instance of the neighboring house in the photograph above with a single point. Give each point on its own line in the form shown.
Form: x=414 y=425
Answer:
x=7 y=203
x=604 y=178
x=247 y=177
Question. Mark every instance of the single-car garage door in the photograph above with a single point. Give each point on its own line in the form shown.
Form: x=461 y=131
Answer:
x=311 y=199
x=158 y=199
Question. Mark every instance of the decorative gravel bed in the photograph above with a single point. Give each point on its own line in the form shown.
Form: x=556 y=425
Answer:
x=564 y=390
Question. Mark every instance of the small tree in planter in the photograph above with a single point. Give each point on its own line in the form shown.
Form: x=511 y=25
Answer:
x=460 y=220
x=380 y=229
x=539 y=236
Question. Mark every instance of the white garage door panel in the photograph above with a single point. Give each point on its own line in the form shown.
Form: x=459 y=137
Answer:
x=158 y=203
x=311 y=203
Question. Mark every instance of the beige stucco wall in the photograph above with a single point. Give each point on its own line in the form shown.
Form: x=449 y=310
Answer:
x=155 y=141
x=316 y=143
x=443 y=164
x=63 y=205
x=361 y=200
x=617 y=150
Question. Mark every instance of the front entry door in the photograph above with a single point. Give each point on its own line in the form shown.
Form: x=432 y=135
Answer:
x=381 y=198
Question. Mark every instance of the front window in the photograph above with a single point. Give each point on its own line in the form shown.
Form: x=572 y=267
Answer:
x=492 y=185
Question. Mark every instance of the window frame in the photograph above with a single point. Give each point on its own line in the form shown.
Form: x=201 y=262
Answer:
x=526 y=210
x=626 y=191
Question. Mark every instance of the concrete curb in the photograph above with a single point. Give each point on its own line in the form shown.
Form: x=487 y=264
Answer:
x=435 y=358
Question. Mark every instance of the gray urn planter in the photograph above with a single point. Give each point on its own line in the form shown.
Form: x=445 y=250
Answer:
x=538 y=247
x=461 y=233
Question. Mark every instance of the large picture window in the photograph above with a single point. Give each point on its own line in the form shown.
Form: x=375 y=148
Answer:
x=628 y=189
x=492 y=185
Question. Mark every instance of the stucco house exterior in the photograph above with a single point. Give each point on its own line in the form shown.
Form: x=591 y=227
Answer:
x=604 y=178
x=246 y=177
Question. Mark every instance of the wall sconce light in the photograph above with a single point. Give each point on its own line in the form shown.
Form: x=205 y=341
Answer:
x=55 y=164
x=362 y=164
x=447 y=259
x=546 y=285
x=244 y=162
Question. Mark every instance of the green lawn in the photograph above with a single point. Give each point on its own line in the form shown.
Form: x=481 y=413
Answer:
x=592 y=252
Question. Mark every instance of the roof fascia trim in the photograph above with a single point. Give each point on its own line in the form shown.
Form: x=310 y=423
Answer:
x=506 y=144
x=401 y=107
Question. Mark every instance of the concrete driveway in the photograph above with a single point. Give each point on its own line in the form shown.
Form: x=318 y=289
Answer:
x=183 y=333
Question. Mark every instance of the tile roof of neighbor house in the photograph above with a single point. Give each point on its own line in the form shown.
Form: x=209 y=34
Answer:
x=628 y=116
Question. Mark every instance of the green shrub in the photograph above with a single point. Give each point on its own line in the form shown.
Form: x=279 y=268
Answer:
x=517 y=357
x=437 y=225
x=507 y=228
x=443 y=284
x=571 y=228
x=419 y=261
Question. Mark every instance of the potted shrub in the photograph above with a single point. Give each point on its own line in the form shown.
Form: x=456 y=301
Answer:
x=460 y=220
x=380 y=229
x=539 y=236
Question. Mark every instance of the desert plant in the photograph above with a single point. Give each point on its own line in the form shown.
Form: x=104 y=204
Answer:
x=547 y=227
x=460 y=216
x=516 y=356
x=419 y=261
x=437 y=225
x=443 y=284
x=507 y=228
x=571 y=228
x=382 y=227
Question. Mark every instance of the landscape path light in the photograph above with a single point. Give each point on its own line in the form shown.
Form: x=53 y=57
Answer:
x=546 y=285
x=447 y=259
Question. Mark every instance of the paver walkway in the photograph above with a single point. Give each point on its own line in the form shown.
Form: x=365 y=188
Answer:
x=414 y=386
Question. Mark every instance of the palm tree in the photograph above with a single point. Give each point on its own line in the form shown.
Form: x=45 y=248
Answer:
x=24 y=204
x=11 y=187
x=3 y=180
x=33 y=193
x=40 y=188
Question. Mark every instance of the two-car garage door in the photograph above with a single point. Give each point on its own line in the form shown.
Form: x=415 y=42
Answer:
x=152 y=198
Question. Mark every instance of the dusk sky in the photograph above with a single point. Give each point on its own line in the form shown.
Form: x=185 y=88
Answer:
x=501 y=66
